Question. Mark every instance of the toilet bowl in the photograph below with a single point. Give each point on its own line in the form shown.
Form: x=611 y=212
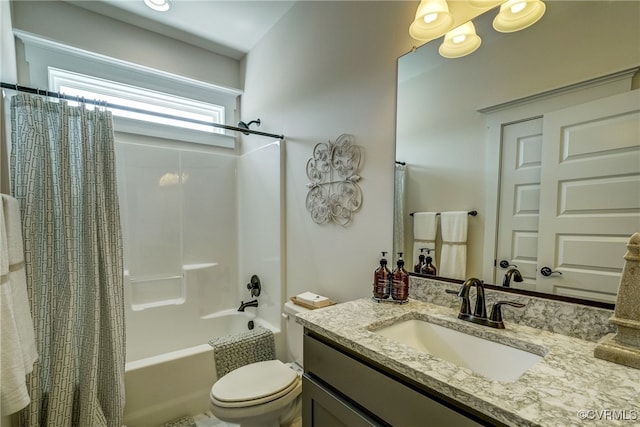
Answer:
x=264 y=394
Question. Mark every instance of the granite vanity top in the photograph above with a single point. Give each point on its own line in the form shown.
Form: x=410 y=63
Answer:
x=568 y=387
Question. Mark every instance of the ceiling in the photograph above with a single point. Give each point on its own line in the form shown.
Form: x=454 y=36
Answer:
x=230 y=28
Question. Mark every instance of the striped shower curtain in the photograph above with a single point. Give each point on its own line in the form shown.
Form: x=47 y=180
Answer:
x=63 y=174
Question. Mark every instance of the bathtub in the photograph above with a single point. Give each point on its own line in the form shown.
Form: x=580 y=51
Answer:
x=170 y=371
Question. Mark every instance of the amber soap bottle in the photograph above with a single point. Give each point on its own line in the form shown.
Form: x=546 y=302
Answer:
x=400 y=282
x=382 y=279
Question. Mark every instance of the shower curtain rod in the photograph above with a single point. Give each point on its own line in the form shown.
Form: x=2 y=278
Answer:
x=47 y=93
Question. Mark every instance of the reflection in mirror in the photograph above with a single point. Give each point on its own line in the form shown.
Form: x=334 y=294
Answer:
x=452 y=133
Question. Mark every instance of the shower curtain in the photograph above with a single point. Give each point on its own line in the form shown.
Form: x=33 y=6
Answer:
x=399 y=212
x=63 y=174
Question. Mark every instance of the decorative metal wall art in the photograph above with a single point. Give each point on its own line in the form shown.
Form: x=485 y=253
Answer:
x=334 y=194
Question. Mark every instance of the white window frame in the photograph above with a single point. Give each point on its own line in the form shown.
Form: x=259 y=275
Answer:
x=90 y=87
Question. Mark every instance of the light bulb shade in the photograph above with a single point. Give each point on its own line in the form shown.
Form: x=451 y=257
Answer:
x=484 y=4
x=438 y=20
x=159 y=5
x=460 y=41
x=517 y=15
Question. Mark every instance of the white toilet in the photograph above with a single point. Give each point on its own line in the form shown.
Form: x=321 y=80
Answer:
x=263 y=394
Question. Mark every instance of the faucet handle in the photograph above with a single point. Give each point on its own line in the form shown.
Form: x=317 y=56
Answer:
x=496 y=310
x=465 y=308
x=255 y=286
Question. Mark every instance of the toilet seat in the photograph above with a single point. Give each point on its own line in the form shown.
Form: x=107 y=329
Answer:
x=254 y=384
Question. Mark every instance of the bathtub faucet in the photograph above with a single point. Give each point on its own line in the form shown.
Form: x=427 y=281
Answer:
x=252 y=303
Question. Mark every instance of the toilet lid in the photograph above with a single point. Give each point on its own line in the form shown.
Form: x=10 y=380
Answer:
x=254 y=381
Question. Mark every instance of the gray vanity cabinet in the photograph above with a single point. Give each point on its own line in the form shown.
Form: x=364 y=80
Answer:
x=341 y=388
x=323 y=407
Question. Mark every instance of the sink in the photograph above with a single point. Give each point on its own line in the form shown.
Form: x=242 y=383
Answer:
x=491 y=359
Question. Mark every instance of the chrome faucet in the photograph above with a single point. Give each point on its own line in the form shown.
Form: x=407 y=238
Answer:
x=513 y=272
x=479 y=315
x=252 y=303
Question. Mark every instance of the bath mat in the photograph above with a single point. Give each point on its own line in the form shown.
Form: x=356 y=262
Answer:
x=236 y=350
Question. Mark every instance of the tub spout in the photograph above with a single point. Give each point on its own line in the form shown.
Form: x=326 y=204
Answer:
x=252 y=303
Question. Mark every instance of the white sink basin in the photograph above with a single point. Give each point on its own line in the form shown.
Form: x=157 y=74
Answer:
x=493 y=360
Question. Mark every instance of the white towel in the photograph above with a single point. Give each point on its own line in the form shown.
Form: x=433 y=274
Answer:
x=425 y=227
x=453 y=256
x=17 y=340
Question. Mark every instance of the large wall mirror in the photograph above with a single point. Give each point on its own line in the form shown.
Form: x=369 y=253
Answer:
x=538 y=131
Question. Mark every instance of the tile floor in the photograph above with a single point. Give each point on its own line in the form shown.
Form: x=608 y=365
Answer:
x=208 y=420
x=201 y=420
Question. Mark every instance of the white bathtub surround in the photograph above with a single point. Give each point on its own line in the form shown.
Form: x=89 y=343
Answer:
x=553 y=392
x=219 y=222
x=174 y=252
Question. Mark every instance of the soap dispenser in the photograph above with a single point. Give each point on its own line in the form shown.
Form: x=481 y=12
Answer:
x=382 y=279
x=418 y=267
x=400 y=282
x=428 y=268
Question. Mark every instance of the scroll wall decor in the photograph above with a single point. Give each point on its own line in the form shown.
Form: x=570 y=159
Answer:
x=334 y=194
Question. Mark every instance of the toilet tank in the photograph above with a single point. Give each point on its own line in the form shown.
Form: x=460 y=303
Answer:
x=294 y=331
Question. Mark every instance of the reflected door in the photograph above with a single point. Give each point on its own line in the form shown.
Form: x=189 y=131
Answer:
x=520 y=200
x=589 y=195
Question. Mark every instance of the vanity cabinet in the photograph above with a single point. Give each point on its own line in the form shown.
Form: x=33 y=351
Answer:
x=342 y=388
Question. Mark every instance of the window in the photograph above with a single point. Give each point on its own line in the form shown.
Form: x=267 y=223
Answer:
x=144 y=107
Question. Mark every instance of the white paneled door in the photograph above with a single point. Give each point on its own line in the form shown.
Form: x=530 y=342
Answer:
x=589 y=196
x=519 y=200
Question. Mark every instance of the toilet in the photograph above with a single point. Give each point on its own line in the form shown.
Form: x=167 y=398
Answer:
x=264 y=394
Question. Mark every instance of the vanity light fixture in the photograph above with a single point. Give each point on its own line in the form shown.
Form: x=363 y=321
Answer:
x=159 y=5
x=460 y=41
x=517 y=15
x=432 y=20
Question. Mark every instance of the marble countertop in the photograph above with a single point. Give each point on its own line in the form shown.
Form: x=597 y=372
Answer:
x=568 y=387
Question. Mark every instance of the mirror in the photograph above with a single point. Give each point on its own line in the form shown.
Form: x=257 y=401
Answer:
x=451 y=115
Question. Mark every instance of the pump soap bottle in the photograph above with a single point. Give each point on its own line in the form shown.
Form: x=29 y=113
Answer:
x=428 y=268
x=418 y=267
x=400 y=282
x=382 y=280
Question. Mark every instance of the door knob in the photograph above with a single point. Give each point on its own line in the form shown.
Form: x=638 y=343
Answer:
x=505 y=264
x=546 y=271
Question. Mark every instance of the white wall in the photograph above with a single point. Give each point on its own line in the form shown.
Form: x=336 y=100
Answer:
x=325 y=69
x=74 y=26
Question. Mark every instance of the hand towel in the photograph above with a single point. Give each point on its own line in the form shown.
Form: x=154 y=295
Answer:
x=17 y=340
x=425 y=226
x=453 y=256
